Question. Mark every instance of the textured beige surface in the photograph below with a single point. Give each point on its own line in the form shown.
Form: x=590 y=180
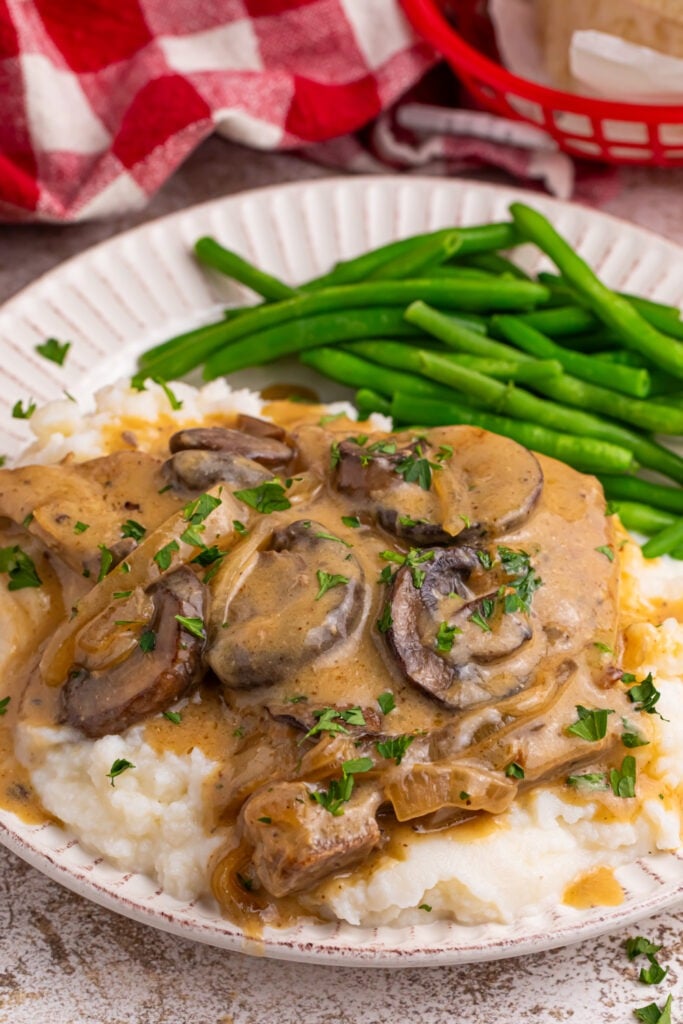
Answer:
x=64 y=960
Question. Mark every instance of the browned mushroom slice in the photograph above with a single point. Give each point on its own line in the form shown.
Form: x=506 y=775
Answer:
x=199 y=470
x=260 y=428
x=292 y=601
x=106 y=694
x=297 y=842
x=461 y=648
x=453 y=485
x=267 y=450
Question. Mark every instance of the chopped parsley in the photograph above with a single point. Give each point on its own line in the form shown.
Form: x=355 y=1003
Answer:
x=353 y=522
x=415 y=469
x=651 y=1014
x=4 y=704
x=335 y=455
x=266 y=498
x=525 y=580
x=426 y=907
x=644 y=694
x=164 y=555
x=331 y=417
x=106 y=561
x=623 y=780
x=21 y=413
x=607 y=550
x=327 y=581
x=603 y=648
x=413 y=560
x=239 y=527
x=331 y=536
x=514 y=771
x=132 y=529
x=339 y=791
x=630 y=737
x=119 y=595
x=147 y=641
x=194 y=625
x=591 y=724
x=445 y=636
x=193 y=536
x=208 y=556
x=386 y=702
x=119 y=766
x=195 y=512
x=640 y=946
x=481 y=616
x=331 y=720
x=385 y=621
x=486 y=559
x=80 y=527
x=265 y=820
x=54 y=350
x=591 y=780
x=394 y=748
x=173 y=716
x=19 y=567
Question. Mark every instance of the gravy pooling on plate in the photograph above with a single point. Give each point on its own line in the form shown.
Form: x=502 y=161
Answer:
x=388 y=632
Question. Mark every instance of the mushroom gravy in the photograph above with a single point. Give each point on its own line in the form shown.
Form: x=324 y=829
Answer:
x=303 y=580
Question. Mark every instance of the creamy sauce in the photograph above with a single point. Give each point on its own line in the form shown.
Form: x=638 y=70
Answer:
x=574 y=615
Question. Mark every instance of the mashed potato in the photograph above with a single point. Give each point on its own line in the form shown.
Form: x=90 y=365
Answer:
x=153 y=820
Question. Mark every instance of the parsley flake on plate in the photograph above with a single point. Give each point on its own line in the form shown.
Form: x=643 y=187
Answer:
x=119 y=766
x=53 y=350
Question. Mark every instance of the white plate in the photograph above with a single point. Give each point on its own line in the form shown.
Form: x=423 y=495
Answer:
x=117 y=299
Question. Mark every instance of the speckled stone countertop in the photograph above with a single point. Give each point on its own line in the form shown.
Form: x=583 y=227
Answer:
x=64 y=960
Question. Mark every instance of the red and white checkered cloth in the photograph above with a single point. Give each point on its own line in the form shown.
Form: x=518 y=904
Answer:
x=100 y=100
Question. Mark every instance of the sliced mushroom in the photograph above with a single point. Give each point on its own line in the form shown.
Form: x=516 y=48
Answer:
x=297 y=842
x=257 y=427
x=199 y=469
x=305 y=572
x=492 y=653
x=267 y=450
x=452 y=485
x=139 y=680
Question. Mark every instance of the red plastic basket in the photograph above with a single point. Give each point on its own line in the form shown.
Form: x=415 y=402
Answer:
x=618 y=133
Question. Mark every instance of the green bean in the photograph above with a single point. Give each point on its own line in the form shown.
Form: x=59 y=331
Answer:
x=165 y=360
x=209 y=252
x=626 y=379
x=617 y=312
x=642 y=518
x=292 y=338
x=355 y=372
x=562 y=320
x=661 y=383
x=599 y=341
x=458 y=336
x=479 y=238
x=419 y=259
x=584 y=453
x=513 y=402
x=407 y=357
x=647 y=452
x=631 y=488
x=368 y=401
x=665 y=318
x=567 y=389
x=494 y=263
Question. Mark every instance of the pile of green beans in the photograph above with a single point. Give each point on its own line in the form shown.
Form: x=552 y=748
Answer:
x=444 y=327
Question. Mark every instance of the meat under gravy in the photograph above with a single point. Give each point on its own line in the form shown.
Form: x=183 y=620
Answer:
x=393 y=620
